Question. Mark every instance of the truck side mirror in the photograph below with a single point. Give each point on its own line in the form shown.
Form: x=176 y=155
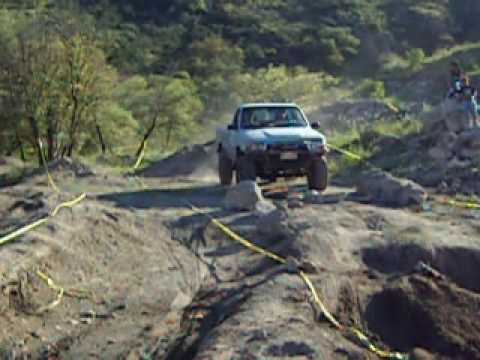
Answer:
x=231 y=127
x=315 y=125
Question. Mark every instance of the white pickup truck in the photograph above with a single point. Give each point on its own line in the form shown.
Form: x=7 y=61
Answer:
x=270 y=140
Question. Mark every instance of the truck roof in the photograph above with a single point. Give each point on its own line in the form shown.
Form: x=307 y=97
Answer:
x=265 y=104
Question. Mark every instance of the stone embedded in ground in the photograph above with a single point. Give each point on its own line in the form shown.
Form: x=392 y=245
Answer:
x=438 y=153
x=264 y=207
x=386 y=189
x=420 y=354
x=274 y=224
x=315 y=197
x=243 y=196
x=456 y=163
x=290 y=349
x=294 y=203
x=453 y=116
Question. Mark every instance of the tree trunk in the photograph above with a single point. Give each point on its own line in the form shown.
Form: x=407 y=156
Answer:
x=70 y=149
x=146 y=136
x=20 y=145
x=73 y=124
x=36 y=137
x=50 y=137
x=100 y=138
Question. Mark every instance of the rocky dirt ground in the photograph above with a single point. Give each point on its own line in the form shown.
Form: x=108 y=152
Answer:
x=167 y=284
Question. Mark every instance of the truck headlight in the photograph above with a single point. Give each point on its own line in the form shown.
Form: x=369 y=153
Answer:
x=315 y=145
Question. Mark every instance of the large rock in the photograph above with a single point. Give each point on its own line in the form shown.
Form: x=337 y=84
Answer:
x=450 y=116
x=243 y=197
x=274 y=224
x=438 y=153
x=384 y=188
x=467 y=145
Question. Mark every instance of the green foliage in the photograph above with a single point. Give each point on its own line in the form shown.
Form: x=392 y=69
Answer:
x=73 y=69
x=278 y=83
x=363 y=141
x=374 y=89
x=171 y=104
x=415 y=58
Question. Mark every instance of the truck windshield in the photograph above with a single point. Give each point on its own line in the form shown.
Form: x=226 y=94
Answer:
x=265 y=117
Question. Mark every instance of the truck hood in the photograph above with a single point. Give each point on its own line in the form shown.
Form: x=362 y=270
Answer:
x=281 y=135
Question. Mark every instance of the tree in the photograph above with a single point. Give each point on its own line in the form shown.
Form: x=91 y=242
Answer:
x=170 y=104
x=54 y=79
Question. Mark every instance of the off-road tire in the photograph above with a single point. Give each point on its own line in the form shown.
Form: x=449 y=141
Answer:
x=225 y=169
x=317 y=175
x=245 y=169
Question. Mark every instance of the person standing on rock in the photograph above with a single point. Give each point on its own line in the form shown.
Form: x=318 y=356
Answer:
x=457 y=80
x=464 y=93
x=469 y=99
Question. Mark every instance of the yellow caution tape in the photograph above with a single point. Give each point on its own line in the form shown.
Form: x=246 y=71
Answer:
x=51 y=284
x=25 y=229
x=80 y=294
x=392 y=107
x=460 y=204
x=44 y=161
x=248 y=244
x=140 y=157
x=22 y=231
x=68 y=204
x=347 y=153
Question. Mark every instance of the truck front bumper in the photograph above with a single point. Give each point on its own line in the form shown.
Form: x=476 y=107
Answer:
x=283 y=162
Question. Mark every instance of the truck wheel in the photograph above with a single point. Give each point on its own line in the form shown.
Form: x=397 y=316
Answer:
x=318 y=175
x=225 y=169
x=245 y=169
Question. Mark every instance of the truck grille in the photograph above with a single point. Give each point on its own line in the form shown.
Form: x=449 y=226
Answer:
x=287 y=147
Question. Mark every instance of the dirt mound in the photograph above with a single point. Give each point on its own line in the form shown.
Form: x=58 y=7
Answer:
x=436 y=315
x=140 y=279
x=69 y=165
x=197 y=161
x=169 y=284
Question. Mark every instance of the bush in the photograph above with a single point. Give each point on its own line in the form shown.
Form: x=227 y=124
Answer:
x=373 y=89
x=415 y=58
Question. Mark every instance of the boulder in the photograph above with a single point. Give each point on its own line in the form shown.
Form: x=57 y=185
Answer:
x=421 y=354
x=383 y=188
x=447 y=140
x=438 y=153
x=264 y=207
x=243 y=197
x=295 y=201
x=455 y=163
x=274 y=225
x=450 y=116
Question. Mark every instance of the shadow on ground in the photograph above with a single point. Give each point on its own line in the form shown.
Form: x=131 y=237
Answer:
x=200 y=196
x=460 y=264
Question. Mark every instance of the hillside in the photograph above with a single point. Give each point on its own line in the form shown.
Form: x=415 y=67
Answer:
x=163 y=71
x=117 y=241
